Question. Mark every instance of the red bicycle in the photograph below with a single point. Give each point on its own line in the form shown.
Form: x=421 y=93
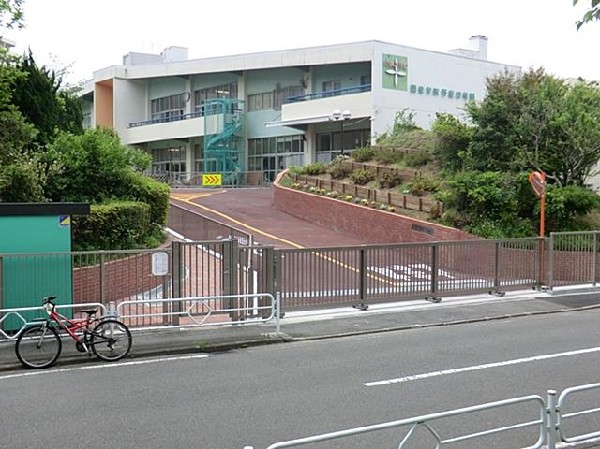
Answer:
x=40 y=344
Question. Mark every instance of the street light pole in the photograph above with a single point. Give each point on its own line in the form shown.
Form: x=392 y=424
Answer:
x=340 y=116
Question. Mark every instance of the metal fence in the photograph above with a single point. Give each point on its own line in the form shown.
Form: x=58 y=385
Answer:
x=528 y=421
x=573 y=249
x=219 y=261
x=236 y=179
x=379 y=273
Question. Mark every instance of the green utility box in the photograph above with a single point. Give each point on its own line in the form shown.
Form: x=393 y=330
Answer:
x=35 y=255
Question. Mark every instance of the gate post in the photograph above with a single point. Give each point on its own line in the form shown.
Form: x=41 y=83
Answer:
x=267 y=283
x=176 y=279
x=230 y=277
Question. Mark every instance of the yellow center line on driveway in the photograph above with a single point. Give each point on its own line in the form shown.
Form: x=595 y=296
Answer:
x=188 y=198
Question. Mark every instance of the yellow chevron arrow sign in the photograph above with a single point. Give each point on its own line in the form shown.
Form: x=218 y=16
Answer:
x=212 y=179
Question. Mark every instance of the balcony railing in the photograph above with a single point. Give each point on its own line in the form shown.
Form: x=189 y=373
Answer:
x=173 y=118
x=294 y=99
x=330 y=93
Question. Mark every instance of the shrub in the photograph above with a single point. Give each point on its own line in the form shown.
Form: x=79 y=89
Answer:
x=389 y=179
x=113 y=226
x=155 y=194
x=339 y=171
x=417 y=158
x=316 y=168
x=363 y=154
x=20 y=183
x=362 y=176
x=388 y=156
x=420 y=185
x=296 y=170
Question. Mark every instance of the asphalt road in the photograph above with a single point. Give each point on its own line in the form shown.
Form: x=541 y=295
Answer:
x=257 y=396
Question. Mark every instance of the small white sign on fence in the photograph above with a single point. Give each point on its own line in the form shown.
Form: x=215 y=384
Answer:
x=160 y=264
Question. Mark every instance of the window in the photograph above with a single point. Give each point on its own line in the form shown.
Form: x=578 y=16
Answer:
x=270 y=155
x=365 y=83
x=168 y=159
x=273 y=99
x=331 y=88
x=260 y=102
x=228 y=90
x=281 y=95
x=168 y=108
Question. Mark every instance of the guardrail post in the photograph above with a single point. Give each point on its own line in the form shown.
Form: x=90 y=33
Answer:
x=551 y=423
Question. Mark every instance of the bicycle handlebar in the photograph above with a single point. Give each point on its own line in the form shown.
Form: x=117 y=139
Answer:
x=48 y=303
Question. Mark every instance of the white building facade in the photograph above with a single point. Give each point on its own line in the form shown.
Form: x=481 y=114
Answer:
x=262 y=112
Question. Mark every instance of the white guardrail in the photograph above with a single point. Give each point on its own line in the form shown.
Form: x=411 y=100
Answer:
x=18 y=314
x=549 y=428
x=251 y=309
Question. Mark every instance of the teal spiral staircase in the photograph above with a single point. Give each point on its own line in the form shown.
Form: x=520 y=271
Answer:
x=224 y=137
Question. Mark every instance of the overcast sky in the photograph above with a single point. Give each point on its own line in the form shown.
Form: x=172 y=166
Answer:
x=87 y=35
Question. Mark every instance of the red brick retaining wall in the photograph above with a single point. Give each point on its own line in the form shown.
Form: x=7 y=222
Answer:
x=373 y=226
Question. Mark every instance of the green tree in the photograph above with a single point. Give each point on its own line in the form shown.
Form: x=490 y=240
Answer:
x=11 y=13
x=95 y=166
x=535 y=121
x=488 y=204
x=39 y=97
x=591 y=14
x=493 y=147
x=19 y=178
x=453 y=138
x=566 y=207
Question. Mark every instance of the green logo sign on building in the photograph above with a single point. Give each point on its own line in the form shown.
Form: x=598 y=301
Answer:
x=395 y=72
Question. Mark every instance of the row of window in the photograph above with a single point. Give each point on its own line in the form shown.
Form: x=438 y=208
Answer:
x=168 y=108
x=173 y=106
x=228 y=90
x=273 y=99
x=275 y=145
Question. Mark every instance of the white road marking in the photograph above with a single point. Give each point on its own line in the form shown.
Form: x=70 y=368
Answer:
x=107 y=365
x=444 y=372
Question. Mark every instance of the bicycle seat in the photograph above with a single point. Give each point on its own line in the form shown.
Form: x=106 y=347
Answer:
x=90 y=311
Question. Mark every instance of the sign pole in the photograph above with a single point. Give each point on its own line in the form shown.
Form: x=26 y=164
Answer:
x=543 y=214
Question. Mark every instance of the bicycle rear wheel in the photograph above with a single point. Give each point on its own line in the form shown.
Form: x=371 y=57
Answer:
x=111 y=340
x=38 y=346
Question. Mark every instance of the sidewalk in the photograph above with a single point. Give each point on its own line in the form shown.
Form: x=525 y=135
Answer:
x=333 y=323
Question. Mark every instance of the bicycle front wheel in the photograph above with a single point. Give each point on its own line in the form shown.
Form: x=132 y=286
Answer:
x=38 y=346
x=111 y=340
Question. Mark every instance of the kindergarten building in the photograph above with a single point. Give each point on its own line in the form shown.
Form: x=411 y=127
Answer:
x=261 y=112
